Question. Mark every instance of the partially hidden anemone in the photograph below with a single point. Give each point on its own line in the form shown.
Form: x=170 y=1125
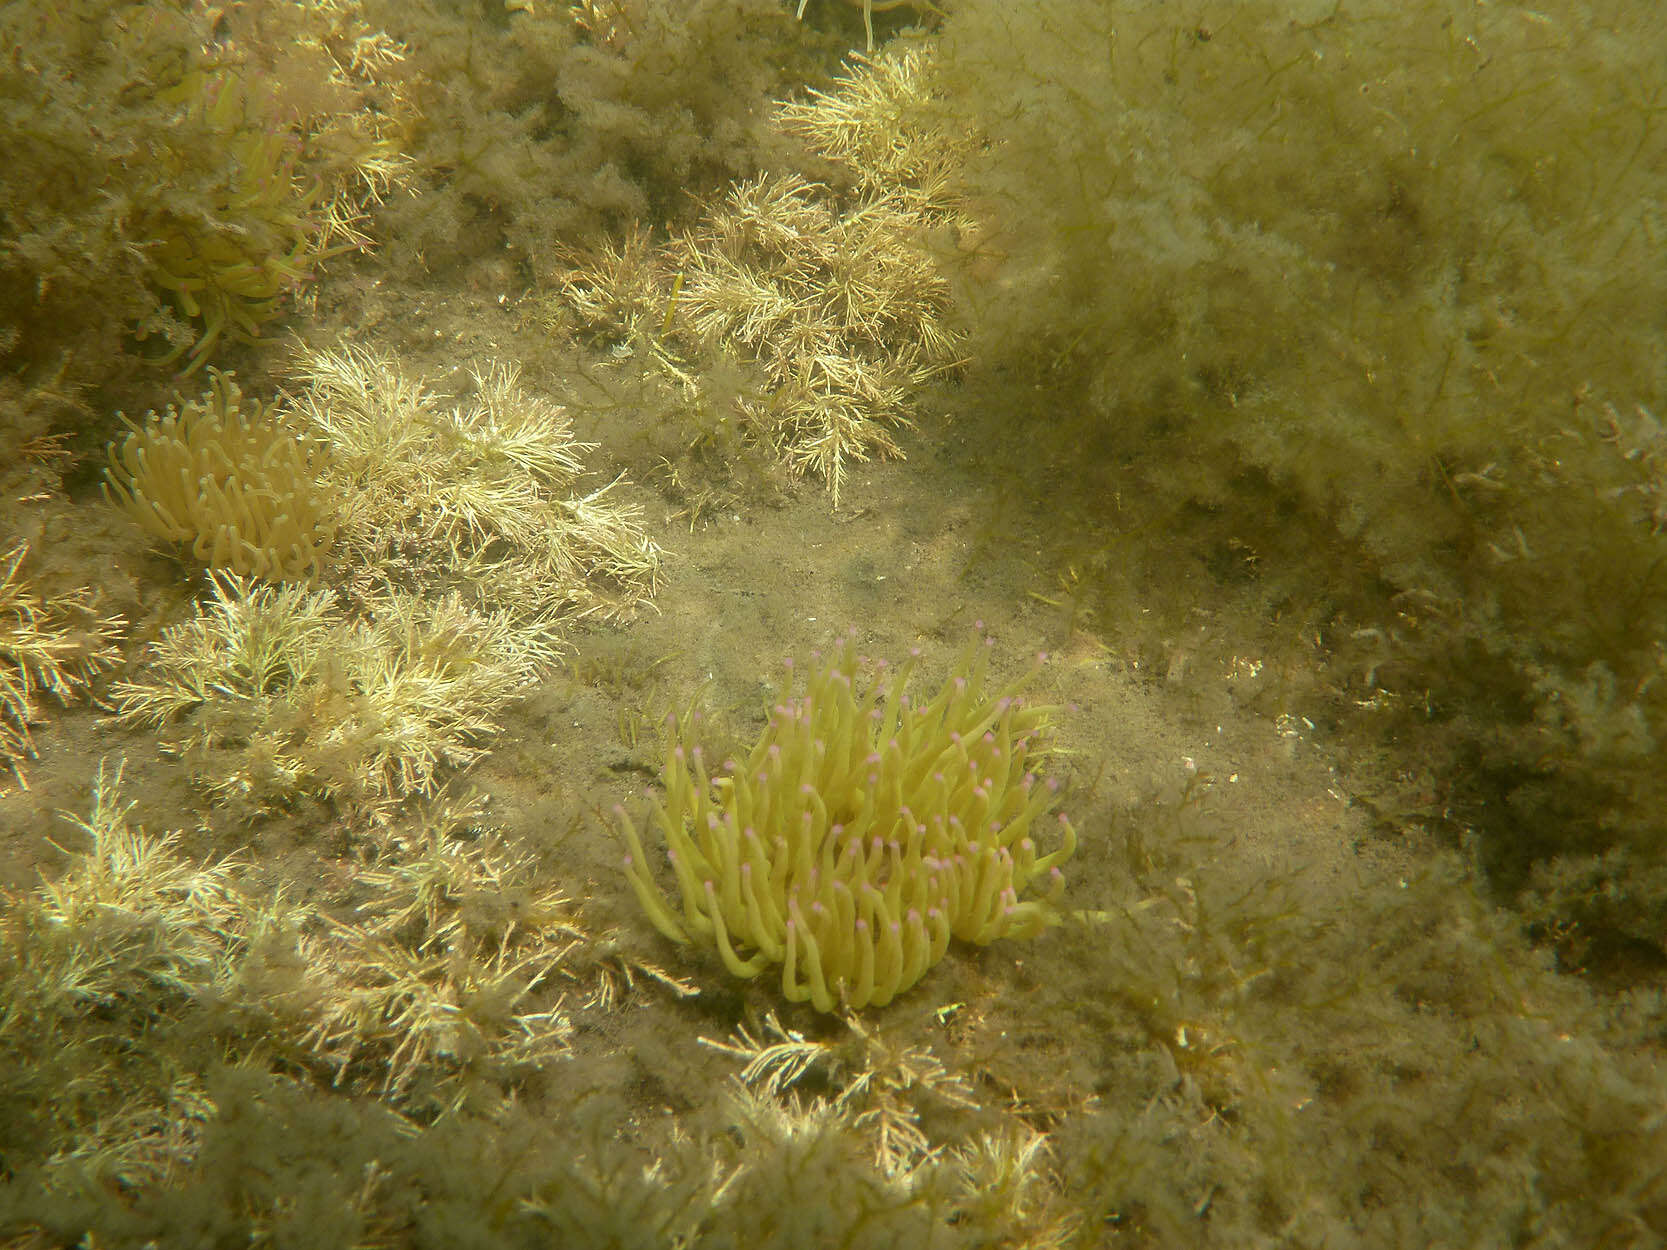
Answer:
x=232 y=480
x=863 y=832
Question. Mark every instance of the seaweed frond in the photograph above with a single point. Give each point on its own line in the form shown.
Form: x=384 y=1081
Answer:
x=273 y=690
x=472 y=497
x=884 y=122
x=446 y=973
x=880 y=1083
x=130 y=936
x=47 y=647
x=845 y=313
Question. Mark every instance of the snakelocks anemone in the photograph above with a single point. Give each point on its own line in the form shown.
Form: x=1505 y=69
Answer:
x=234 y=480
x=863 y=832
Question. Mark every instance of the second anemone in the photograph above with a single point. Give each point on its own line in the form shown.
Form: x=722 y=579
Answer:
x=864 y=830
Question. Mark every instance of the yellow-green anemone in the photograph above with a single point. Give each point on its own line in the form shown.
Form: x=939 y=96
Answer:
x=864 y=831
